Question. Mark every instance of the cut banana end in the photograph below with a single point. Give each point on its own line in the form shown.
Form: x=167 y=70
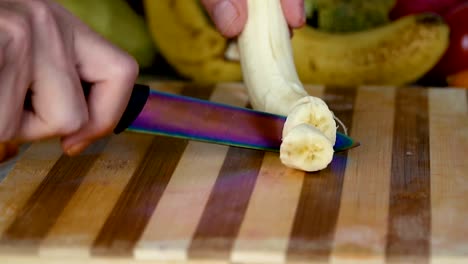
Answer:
x=313 y=111
x=306 y=148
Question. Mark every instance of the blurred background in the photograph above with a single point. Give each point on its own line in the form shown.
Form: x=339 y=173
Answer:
x=175 y=39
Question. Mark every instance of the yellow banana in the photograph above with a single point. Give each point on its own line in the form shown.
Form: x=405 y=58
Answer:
x=188 y=41
x=393 y=54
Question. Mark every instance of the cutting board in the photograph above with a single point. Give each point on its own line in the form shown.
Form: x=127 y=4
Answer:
x=132 y=198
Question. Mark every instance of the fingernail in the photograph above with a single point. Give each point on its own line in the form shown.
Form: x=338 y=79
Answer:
x=75 y=149
x=224 y=14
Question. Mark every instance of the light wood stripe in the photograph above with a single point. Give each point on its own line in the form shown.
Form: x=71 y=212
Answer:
x=171 y=228
x=314 y=226
x=83 y=217
x=362 y=223
x=24 y=178
x=43 y=208
x=449 y=175
x=121 y=232
x=410 y=212
x=264 y=234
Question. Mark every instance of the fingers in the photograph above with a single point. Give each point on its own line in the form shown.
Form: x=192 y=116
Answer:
x=45 y=49
x=229 y=16
x=107 y=100
x=15 y=70
x=59 y=105
x=294 y=12
x=112 y=74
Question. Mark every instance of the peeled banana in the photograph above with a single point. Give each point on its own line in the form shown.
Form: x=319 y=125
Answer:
x=306 y=148
x=273 y=86
x=266 y=58
x=313 y=111
x=309 y=135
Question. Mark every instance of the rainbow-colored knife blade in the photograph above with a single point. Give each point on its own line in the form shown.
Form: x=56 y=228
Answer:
x=161 y=113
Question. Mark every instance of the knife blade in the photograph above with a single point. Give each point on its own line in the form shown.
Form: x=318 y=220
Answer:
x=155 y=112
x=160 y=113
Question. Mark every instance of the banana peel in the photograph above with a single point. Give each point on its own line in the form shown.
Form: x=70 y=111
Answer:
x=394 y=53
x=116 y=21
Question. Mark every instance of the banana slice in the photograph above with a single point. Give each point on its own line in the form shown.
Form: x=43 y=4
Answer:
x=314 y=111
x=306 y=148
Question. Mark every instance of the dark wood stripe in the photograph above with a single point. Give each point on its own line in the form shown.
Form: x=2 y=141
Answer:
x=45 y=205
x=410 y=207
x=227 y=204
x=317 y=213
x=136 y=204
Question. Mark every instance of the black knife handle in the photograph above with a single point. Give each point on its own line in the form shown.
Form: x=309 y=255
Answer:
x=138 y=98
x=136 y=103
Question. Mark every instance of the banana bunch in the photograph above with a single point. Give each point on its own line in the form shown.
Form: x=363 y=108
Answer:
x=395 y=53
x=189 y=42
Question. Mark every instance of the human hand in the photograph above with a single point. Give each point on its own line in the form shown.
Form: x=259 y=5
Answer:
x=230 y=16
x=48 y=51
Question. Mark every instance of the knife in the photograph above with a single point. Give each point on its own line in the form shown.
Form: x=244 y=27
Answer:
x=160 y=113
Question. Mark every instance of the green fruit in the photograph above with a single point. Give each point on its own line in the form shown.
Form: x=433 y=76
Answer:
x=350 y=15
x=310 y=6
x=116 y=21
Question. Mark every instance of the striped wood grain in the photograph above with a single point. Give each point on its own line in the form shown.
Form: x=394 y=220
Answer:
x=174 y=222
x=141 y=198
x=311 y=237
x=27 y=175
x=121 y=231
x=45 y=204
x=264 y=234
x=362 y=223
x=79 y=223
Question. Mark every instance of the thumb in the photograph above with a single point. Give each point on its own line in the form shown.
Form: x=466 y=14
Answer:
x=229 y=16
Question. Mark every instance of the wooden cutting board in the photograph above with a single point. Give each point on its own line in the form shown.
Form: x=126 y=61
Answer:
x=134 y=198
